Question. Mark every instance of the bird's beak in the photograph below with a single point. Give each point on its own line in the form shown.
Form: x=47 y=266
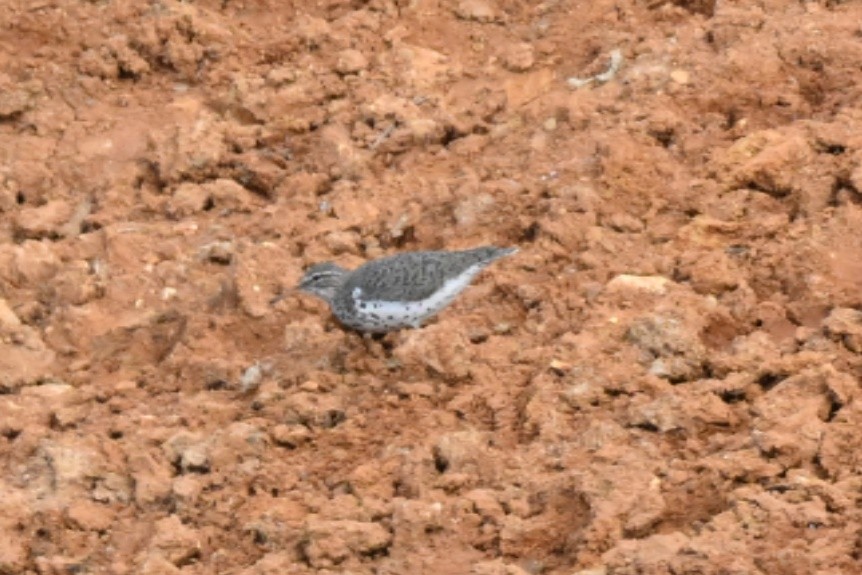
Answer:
x=284 y=293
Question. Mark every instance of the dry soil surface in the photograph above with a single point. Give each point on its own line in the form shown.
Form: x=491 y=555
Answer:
x=665 y=378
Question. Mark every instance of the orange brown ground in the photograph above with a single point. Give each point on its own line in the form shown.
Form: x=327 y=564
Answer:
x=666 y=378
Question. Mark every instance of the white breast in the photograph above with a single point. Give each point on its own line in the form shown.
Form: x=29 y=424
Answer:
x=394 y=314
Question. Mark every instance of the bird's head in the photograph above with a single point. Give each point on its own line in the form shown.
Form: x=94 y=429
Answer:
x=322 y=280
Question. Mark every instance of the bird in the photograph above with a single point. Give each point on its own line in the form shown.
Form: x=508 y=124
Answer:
x=397 y=291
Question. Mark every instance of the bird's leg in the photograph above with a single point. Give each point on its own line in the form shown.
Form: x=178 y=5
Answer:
x=374 y=343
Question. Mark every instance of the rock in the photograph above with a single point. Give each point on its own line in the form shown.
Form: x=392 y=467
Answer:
x=156 y=564
x=114 y=58
x=711 y=273
x=252 y=377
x=258 y=172
x=425 y=131
x=856 y=177
x=89 y=516
x=97 y=63
x=52 y=395
x=845 y=324
x=291 y=436
x=372 y=481
x=13 y=553
x=519 y=57
x=329 y=543
x=188 y=199
x=304 y=185
x=195 y=459
x=277 y=563
x=229 y=447
x=477 y=10
x=789 y=421
x=151 y=477
x=47 y=221
x=24 y=358
x=675 y=345
x=76 y=284
x=412 y=520
x=69 y=417
x=281 y=75
x=473 y=208
x=623 y=222
x=28 y=265
x=229 y=195
x=8 y=319
x=57 y=565
x=249 y=276
x=175 y=541
x=498 y=567
x=421 y=68
x=679 y=76
x=650 y=554
x=487 y=504
x=192 y=148
x=311 y=30
x=436 y=350
x=465 y=453
x=350 y=62
x=18 y=97
x=185 y=492
x=218 y=252
x=656 y=285
x=776 y=162
x=314 y=410
x=142 y=337
x=692 y=413
x=594 y=571
x=471 y=106
x=72 y=464
x=113 y=488
x=342 y=241
x=277 y=524
x=190 y=450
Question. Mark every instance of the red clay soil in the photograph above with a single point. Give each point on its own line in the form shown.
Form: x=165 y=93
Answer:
x=665 y=379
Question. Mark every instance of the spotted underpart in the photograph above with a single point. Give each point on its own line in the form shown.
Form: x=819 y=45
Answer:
x=382 y=315
x=398 y=291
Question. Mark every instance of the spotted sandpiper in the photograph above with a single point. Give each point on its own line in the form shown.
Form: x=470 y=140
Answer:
x=397 y=291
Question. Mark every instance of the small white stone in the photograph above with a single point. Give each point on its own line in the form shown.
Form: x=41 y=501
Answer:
x=251 y=378
x=680 y=76
x=651 y=284
x=351 y=62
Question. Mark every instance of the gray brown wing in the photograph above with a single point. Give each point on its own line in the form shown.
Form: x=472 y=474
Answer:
x=414 y=276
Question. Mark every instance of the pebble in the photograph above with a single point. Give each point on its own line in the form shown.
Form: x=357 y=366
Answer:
x=476 y=10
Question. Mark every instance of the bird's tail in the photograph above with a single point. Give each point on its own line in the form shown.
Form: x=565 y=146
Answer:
x=491 y=253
